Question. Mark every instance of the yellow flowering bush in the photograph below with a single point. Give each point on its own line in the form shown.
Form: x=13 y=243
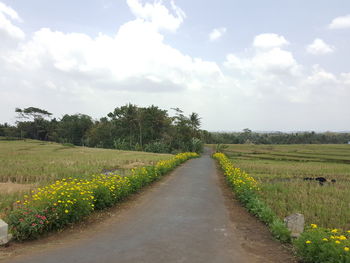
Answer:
x=319 y=244
x=316 y=244
x=239 y=180
x=246 y=189
x=68 y=200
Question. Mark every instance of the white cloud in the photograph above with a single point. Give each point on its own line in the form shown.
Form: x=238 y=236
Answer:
x=93 y=75
x=269 y=40
x=319 y=77
x=269 y=58
x=9 y=12
x=8 y=31
x=319 y=47
x=217 y=33
x=340 y=22
x=120 y=62
x=157 y=14
x=346 y=78
x=274 y=74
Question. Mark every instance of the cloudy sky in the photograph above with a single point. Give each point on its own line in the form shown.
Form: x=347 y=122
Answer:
x=264 y=65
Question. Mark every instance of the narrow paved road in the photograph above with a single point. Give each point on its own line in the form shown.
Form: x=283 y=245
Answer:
x=183 y=219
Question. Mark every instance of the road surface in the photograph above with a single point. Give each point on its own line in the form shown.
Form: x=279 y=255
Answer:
x=183 y=218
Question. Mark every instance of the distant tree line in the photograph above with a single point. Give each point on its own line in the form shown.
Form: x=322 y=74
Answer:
x=128 y=127
x=247 y=136
x=149 y=129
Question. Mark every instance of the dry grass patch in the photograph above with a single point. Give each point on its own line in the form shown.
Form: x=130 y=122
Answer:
x=281 y=169
x=27 y=163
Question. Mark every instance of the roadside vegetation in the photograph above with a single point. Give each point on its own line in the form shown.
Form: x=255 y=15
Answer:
x=69 y=200
x=247 y=190
x=281 y=170
x=26 y=165
x=308 y=179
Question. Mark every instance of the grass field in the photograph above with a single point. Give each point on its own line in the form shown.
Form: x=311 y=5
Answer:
x=28 y=164
x=281 y=168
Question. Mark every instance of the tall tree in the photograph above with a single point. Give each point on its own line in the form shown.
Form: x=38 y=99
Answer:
x=32 y=113
x=73 y=128
x=35 y=125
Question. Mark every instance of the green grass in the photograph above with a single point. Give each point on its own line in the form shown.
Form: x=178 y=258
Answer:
x=281 y=168
x=36 y=163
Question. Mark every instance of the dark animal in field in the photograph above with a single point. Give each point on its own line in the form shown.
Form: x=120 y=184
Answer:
x=321 y=180
x=308 y=178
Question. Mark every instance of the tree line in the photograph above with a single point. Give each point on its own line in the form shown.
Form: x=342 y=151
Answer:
x=248 y=136
x=127 y=127
x=151 y=129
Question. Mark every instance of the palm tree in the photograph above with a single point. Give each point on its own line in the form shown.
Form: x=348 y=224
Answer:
x=195 y=121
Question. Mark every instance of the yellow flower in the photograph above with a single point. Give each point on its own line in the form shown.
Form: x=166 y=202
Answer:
x=337 y=242
x=346 y=249
x=342 y=237
x=313 y=226
x=308 y=242
x=325 y=239
x=66 y=211
x=334 y=230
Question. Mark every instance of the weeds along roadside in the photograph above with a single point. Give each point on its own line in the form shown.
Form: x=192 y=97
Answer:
x=69 y=200
x=246 y=188
x=314 y=245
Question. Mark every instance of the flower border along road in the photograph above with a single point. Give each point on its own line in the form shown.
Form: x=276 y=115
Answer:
x=69 y=200
x=246 y=190
x=314 y=245
x=319 y=244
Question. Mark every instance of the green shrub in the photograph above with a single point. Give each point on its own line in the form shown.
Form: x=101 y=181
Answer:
x=28 y=223
x=157 y=147
x=261 y=210
x=69 y=200
x=279 y=230
x=103 y=197
x=196 y=145
x=324 y=245
x=121 y=144
x=219 y=148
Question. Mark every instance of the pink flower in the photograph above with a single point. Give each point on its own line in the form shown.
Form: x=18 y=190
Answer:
x=33 y=224
x=21 y=220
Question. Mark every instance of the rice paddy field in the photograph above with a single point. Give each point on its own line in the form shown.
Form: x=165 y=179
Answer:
x=281 y=170
x=25 y=165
